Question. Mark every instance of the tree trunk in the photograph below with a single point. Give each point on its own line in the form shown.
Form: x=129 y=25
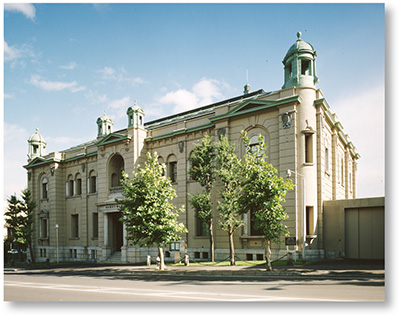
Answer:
x=31 y=253
x=231 y=247
x=211 y=241
x=161 y=256
x=268 y=255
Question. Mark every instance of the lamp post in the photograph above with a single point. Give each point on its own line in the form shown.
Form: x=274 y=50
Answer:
x=288 y=174
x=57 y=241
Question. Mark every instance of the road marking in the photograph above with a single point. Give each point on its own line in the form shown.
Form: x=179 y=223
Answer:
x=205 y=296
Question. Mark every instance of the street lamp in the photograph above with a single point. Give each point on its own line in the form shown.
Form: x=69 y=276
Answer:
x=288 y=174
x=57 y=241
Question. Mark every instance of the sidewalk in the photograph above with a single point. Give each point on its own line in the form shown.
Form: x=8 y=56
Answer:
x=343 y=269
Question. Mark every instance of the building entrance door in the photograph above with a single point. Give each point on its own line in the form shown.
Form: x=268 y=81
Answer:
x=116 y=232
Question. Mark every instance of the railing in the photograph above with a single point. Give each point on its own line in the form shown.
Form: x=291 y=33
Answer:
x=116 y=190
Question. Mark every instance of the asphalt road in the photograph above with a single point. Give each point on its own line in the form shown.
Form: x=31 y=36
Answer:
x=23 y=286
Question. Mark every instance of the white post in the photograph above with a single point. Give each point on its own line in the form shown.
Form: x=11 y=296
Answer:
x=57 y=242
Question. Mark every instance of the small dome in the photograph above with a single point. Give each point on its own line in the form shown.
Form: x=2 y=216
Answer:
x=104 y=118
x=37 y=137
x=299 y=46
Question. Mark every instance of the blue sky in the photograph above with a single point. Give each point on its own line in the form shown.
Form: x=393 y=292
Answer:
x=65 y=64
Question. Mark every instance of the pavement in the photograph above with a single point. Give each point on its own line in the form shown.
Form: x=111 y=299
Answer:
x=326 y=269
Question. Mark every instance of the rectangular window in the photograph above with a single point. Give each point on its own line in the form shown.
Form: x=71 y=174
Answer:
x=201 y=228
x=309 y=220
x=173 y=171
x=43 y=228
x=44 y=190
x=308 y=148
x=95 y=225
x=75 y=226
x=249 y=256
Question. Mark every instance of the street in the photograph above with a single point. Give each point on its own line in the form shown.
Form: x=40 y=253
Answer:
x=22 y=286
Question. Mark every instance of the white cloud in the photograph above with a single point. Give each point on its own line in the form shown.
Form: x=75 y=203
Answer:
x=55 y=85
x=204 y=92
x=72 y=65
x=8 y=96
x=26 y=9
x=118 y=107
x=119 y=75
x=11 y=53
x=95 y=97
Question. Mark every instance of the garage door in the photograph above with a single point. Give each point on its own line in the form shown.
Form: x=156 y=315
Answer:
x=365 y=233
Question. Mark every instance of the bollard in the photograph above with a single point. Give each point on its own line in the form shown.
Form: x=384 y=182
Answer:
x=186 y=260
x=148 y=261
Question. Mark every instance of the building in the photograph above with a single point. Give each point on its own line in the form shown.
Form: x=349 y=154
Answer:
x=75 y=189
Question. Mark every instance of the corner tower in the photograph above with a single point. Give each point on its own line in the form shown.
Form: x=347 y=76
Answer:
x=299 y=65
x=104 y=125
x=37 y=146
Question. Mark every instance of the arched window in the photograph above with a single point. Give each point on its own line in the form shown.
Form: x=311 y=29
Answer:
x=78 y=184
x=70 y=186
x=45 y=188
x=172 y=168
x=115 y=167
x=92 y=182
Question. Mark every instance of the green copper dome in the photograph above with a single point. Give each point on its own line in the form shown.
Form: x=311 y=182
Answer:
x=299 y=46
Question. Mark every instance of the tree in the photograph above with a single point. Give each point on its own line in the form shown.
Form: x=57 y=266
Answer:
x=12 y=219
x=26 y=231
x=19 y=218
x=264 y=192
x=147 y=212
x=229 y=172
x=202 y=170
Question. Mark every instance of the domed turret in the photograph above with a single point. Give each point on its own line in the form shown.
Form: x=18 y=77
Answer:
x=299 y=64
x=37 y=146
x=135 y=116
x=104 y=124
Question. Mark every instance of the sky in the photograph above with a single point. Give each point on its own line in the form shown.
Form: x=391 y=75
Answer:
x=67 y=64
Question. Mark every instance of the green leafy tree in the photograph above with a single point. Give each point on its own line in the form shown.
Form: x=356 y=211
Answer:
x=202 y=170
x=264 y=192
x=147 y=211
x=229 y=172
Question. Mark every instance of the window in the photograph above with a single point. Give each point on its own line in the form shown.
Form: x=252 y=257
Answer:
x=305 y=67
x=78 y=184
x=253 y=230
x=341 y=172
x=115 y=168
x=44 y=188
x=44 y=227
x=201 y=228
x=35 y=149
x=70 y=186
x=254 y=145
x=309 y=220
x=95 y=225
x=326 y=159
x=92 y=182
x=74 y=226
x=308 y=148
x=173 y=171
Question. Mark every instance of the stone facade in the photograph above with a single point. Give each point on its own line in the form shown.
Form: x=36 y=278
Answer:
x=76 y=188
